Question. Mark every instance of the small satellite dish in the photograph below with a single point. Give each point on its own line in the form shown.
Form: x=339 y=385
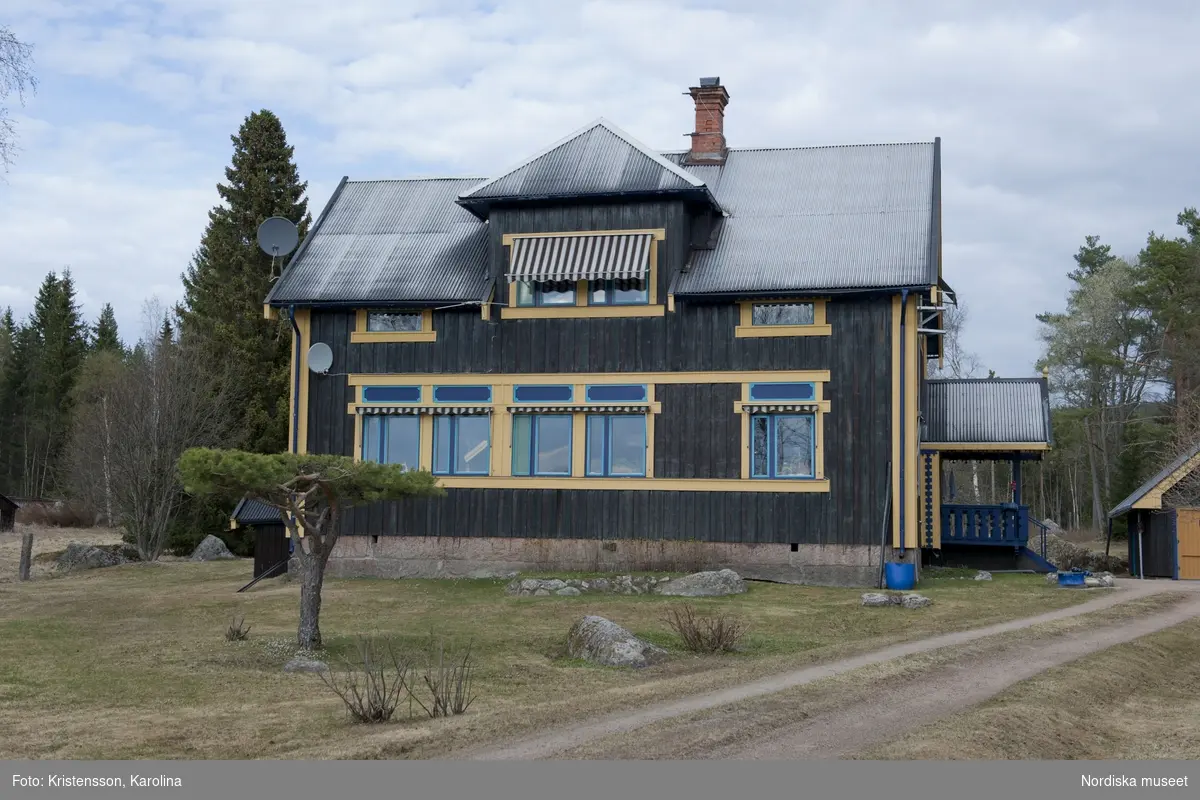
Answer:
x=320 y=358
x=277 y=236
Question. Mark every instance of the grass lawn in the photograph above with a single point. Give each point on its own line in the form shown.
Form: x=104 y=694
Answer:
x=131 y=662
x=1134 y=701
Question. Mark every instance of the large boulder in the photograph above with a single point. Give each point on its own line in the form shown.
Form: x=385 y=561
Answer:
x=211 y=549
x=602 y=641
x=86 y=556
x=705 y=584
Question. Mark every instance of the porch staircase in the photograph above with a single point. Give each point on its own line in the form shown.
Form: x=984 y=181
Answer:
x=992 y=537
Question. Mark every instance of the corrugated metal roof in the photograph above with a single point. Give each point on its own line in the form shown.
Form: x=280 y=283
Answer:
x=850 y=217
x=598 y=158
x=255 y=512
x=986 y=410
x=1145 y=489
x=390 y=241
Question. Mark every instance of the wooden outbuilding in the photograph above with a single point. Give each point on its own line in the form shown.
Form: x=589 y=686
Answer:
x=1164 y=527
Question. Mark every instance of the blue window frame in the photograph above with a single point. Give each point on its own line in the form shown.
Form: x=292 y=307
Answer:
x=618 y=292
x=462 y=394
x=542 y=444
x=617 y=393
x=462 y=444
x=545 y=293
x=782 y=391
x=392 y=439
x=616 y=445
x=391 y=394
x=783 y=446
x=543 y=394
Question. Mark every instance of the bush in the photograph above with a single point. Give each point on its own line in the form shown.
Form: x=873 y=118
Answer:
x=719 y=634
x=57 y=514
x=449 y=683
x=237 y=630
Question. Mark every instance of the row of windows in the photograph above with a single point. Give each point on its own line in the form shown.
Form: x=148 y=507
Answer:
x=539 y=393
x=782 y=445
x=600 y=293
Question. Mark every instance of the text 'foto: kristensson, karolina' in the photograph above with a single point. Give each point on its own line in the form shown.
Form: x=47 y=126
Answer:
x=1093 y=781
x=96 y=781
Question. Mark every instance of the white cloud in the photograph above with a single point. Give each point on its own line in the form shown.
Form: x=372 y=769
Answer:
x=1059 y=119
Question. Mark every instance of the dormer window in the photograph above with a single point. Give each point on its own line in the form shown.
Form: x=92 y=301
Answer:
x=618 y=292
x=545 y=293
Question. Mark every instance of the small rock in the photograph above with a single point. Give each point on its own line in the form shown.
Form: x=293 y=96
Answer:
x=1052 y=578
x=705 y=584
x=983 y=575
x=1106 y=579
x=1092 y=582
x=303 y=663
x=568 y=591
x=602 y=641
x=86 y=556
x=211 y=549
x=915 y=601
x=553 y=585
x=601 y=584
x=876 y=599
x=541 y=592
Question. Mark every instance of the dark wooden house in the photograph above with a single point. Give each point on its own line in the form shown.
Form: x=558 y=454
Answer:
x=1163 y=519
x=8 y=513
x=619 y=358
x=272 y=548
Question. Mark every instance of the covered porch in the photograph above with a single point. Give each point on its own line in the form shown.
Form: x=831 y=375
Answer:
x=1001 y=422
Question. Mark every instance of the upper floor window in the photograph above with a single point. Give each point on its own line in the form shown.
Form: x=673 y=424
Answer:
x=783 y=314
x=618 y=292
x=394 y=322
x=545 y=293
x=388 y=325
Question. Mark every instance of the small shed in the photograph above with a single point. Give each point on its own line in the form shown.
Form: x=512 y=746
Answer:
x=8 y=513
x=272 y=547
x=1163 y=542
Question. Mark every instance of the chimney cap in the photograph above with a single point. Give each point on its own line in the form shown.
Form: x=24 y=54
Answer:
x=706 y=82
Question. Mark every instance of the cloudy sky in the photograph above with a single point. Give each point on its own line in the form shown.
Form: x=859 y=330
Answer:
x=1057 y=119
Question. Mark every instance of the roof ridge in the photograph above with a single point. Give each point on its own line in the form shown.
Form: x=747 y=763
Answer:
x=417 y=178
x=804 y=147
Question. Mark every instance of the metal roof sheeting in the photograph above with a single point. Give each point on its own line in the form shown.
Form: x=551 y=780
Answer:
x=854 y=217
x=1147 y=487
x=255 y=512
x=390 y=241
x=599 y=158
x=579 y=258
x=986 y=410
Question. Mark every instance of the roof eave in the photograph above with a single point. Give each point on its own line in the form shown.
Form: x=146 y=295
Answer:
x=481 y=206
x=752 y=294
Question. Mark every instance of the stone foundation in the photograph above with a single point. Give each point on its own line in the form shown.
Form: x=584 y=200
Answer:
x=482 y=557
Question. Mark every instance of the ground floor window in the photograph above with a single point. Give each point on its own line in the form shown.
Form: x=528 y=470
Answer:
x=461 y=444
x=616 y=445
x=392 y=439
x=783 y=445
x=542 y=444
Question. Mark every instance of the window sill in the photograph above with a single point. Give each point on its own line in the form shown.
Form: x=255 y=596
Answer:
x=366 y=337
x=757 y=331
x=643 y=484
x=581 y=312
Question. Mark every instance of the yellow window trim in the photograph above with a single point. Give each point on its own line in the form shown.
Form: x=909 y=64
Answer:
x=581 y=309
x=823 y=408
x=985 y=446
x=642 y=484
x=746 y=328
x=303 y=321
x=582 y=378
x=360 y=334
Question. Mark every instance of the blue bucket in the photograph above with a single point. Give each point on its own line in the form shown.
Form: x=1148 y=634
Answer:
x=900 y=576
x=1071 y=578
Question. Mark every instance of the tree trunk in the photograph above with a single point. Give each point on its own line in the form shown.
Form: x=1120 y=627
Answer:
x=26 y=556
x=108 y=512
x=312 y=577
x=1097 y=497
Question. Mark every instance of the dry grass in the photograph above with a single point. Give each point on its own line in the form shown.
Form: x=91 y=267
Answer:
x=47 y=543
x=1133 y=701
x=131 y=661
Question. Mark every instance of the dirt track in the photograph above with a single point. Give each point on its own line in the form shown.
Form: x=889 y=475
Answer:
x=849 y=728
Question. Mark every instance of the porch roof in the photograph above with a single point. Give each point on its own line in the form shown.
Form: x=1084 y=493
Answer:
x=990 y=415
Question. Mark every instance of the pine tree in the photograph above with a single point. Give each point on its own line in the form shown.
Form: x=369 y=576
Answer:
x=104 y=332
x=230 y=276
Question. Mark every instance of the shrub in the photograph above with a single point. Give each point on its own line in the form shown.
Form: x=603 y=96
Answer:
x=449 y=682
x=57 y=514
x=719 y=634
x=236 y=632
x=373 y=687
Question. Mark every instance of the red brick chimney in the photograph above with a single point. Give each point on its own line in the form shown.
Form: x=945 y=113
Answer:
x=708 y=141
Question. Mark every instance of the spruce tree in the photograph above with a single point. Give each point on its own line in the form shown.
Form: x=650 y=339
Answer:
x=229 y=278
x=104 y=332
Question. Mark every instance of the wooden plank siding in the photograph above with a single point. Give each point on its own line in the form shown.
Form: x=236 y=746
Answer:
x=696 y=436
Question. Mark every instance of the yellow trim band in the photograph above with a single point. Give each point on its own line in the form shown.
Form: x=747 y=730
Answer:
x=985 y=446
x=781 y=486
x=581 y=378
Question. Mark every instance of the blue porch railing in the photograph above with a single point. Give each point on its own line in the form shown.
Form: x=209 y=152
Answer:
x=1006 y=524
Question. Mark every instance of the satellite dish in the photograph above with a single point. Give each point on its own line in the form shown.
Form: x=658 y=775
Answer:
x=320 y=358
x=277 y=236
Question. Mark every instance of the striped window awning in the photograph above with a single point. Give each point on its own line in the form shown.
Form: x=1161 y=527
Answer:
x=580 y=258
x=424 y=409
x=778 y=408
x=631 y=408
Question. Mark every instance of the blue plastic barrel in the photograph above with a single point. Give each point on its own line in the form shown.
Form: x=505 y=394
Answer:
x=1071 y=578
x=900 y=576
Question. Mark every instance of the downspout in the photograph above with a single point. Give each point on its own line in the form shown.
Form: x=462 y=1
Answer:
x=902 y=499
x=296 y=387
